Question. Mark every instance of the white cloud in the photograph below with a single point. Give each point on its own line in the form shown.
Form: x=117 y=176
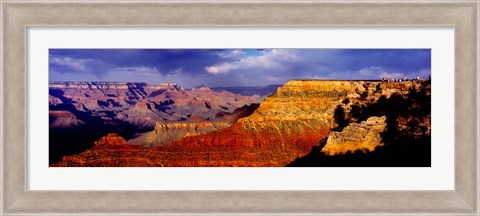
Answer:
x=82 y=65
x=221 y=68
x=270 y=60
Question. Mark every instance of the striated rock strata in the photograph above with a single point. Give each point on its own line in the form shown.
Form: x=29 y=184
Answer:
x=63 y=119
x=142 y=105
x=111 y=139
x=285 y=126
x=167 y=132
x=112 y=151
x=364 y=136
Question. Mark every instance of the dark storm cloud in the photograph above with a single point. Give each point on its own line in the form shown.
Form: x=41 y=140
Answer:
x=236 y=67
x=102 y=61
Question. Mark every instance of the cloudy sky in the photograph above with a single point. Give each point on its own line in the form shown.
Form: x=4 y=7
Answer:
x=235 y=67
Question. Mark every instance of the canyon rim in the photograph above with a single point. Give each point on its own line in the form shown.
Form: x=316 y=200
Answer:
x=239 y=108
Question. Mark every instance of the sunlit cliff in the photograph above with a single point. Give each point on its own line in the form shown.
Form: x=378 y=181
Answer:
x=340 y=117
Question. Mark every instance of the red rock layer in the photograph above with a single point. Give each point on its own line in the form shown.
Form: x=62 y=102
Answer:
x=286 y=126
x=236 y=147
x=111 y=139
x=112 y=151
x=226 y=148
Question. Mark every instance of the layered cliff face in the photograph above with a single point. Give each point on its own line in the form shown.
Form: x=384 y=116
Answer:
x=364 y=136
x=143 y=105
x=100 y=95
x=86 y=111
x=111 y=139
x=400 y=137
x=63 y=119
x=178 y=104
x=167 y=132
x=290 y=122
x=286 y=126
x=112 y=151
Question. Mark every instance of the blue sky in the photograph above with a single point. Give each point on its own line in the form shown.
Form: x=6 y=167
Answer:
x=235 y=67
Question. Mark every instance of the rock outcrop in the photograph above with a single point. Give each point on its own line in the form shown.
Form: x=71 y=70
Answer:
x=111 y=139
x=364 y=136
x=112 y=151
x=63 y=119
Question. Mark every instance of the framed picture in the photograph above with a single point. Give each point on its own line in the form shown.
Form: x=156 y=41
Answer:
x=172 y=107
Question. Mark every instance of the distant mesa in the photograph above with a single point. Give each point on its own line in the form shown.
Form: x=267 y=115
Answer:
x=201 y=88
x=261 y=91
x=169 y=86
x=63 y=119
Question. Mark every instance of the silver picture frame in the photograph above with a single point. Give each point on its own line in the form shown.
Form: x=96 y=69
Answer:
x=18 y=15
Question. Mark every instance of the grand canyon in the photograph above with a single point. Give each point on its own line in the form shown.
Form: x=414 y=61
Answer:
x=302 y=122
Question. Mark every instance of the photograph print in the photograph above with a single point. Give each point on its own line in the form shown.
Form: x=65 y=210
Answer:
x=259 y=107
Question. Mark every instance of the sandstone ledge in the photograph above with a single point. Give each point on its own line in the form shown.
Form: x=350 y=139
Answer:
x=364 y=136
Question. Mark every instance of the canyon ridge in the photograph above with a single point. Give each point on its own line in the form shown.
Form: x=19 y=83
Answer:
x=300 y=123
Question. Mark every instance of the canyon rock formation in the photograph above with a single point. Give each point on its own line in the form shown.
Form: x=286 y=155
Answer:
x=165 y=133
x=86 y=111
x=286 y=125
x=111 y=151
x=363 y=136
x=63 y=119
x=143 y=105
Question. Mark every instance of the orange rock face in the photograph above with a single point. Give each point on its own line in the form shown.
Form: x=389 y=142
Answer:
x=111 y=139
x=235 y=146
x=112 y=151
x=286 y=126
x=364 y=136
